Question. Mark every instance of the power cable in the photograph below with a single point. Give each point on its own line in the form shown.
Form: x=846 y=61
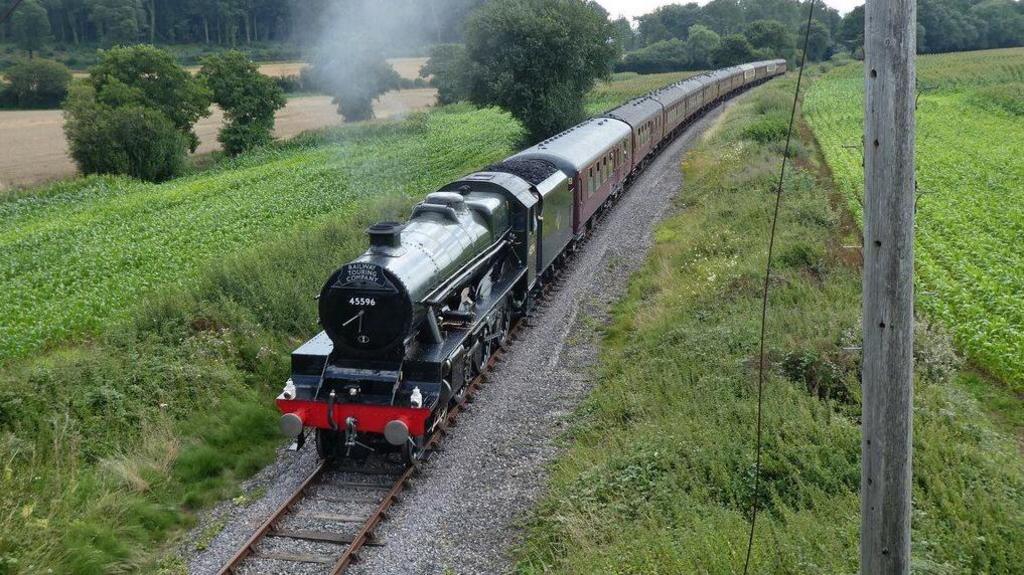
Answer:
x=764 y=300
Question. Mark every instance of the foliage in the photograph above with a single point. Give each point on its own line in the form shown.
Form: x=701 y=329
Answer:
x=665 y=56
x=734 y=49
x=410 y=25
x=851 y=33
x=248 y=98
x=31 y=26
x=656 y=474
x=701 y=43
x=969 y=173
x=538 y=59
x=36 y=83
x=950 y=25
x=624 y=34
x=116 y=21
x=772 y=37
x=943 y=25
x=95 y=245
x=819 y=41
x=134 y=115
x=355 y=75
x=147 y=76
x=128 y=139
x=447 y=69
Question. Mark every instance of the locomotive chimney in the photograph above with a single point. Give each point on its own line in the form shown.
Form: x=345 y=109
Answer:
x=385 y=234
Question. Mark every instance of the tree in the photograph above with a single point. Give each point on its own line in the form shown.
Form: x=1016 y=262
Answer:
x=37 y=83
x=667 y=22
x=131 y=139
x=134 y=114
x=1003 y=21
x=356 y=74
x=851 y=32
x=723 y=16
x=149 y=77
x=31 y=26
x=116 y=21
x=665 y=56
x=448 y=69
x=701 y=44
x=248 y=98
x=624 y=34
x=819 y=41
x=538 y=59
x=772 y=37
x=734 y=49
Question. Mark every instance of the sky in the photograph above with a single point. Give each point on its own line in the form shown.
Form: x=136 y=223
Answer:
x=634 y=8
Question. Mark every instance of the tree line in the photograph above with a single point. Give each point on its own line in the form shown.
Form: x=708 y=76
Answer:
x=724 y=32
x=412 y=24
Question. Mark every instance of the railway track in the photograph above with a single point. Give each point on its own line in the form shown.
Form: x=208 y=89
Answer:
x=336 y=510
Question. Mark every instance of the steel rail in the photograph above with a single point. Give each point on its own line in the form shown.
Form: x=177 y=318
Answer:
x=267 y=525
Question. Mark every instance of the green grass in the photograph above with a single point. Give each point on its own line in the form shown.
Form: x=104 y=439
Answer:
x=152 y=396
x=970 y=174
x=656 y=472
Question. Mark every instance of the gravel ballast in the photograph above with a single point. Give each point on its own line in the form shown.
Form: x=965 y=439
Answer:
x=462 y=513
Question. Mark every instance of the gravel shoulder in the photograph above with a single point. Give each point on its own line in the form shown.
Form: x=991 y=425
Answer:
x=464 y=512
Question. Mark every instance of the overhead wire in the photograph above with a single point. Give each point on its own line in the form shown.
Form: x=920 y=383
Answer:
x=755 y=497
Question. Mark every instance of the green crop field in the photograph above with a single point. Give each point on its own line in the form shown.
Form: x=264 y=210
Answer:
x=970 y=208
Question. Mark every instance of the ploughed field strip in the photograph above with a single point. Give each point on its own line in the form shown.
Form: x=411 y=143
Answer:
x=413 y=325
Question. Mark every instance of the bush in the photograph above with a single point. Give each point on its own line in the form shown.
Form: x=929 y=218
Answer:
x=134 y=114
x=249 y=100
x=448 y=70
x=665 y=56
x=132 y=139
x=36 y=83
x=766 y=129
x=149 y=77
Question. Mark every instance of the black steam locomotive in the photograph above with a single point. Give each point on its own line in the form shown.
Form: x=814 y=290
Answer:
x=411 y=322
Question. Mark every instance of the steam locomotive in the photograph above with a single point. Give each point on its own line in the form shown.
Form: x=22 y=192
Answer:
x=410 y=323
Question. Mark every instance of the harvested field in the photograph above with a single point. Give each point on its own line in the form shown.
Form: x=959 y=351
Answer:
x=406 y=68
x=36 y=151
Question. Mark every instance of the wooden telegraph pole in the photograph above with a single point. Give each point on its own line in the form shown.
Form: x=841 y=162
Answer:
x=890 y=28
